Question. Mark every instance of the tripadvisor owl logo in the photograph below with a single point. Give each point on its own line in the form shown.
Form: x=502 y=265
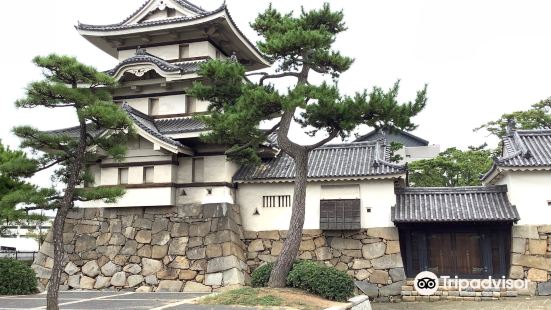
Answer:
x=426 y=283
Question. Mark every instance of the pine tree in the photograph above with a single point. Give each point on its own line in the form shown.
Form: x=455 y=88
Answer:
x=12 y=180
x=300 y=47
x=102 y=130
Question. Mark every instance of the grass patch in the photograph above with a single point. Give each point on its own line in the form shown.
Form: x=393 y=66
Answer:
x=244 y=296
x=270 y=297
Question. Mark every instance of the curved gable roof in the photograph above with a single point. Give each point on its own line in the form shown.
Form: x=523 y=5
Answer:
x=348 y=160
x=524 y=149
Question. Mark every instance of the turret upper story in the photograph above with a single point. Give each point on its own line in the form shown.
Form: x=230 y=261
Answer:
x=525 y=167
x=160 y=47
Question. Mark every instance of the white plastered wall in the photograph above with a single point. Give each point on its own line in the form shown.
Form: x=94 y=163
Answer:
x=530 y=192
x=378 y=195
x=172 y=51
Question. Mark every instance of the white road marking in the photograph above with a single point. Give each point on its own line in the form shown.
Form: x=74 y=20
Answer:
x=84 y=300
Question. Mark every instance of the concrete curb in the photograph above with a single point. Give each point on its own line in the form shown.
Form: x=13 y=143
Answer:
x=360 y=302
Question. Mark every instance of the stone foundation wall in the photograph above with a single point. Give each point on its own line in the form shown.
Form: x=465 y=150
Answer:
x=371 y=256
x=185 y=248
x=531 y=257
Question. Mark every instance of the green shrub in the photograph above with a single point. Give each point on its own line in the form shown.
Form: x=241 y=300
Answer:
x=328 y=282
x=16 y=278
x=261 y=275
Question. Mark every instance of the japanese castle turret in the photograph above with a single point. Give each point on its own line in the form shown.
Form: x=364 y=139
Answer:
x=160 y=48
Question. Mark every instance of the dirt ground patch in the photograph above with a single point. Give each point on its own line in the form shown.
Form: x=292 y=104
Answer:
x=268 y=297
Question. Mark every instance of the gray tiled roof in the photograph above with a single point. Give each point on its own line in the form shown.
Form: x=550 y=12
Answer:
x=179 y=125
x=453 y=204
x=146 y=123
x=349 y=160
x=74 y=132
x=183 y=67
x=186 y=4
x=166 y=21
x=524 y=149
x=400 y=136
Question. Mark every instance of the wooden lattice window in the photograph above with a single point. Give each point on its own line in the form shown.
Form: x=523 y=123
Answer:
x=276 y=201
x=340 y=214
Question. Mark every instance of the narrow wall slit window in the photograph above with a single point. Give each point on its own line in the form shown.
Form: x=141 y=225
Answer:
x=276 y=201
x=148 y=174
x=123 y=175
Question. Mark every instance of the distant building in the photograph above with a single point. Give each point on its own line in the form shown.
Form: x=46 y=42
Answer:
x=415 y=148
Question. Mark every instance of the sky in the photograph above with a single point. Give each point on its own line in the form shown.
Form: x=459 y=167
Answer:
x=480 y=59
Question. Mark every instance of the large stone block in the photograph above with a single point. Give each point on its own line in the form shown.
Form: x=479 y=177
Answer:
x=87 y=283
x=373 y=250
x=323 y=253
x=213 y=210
x=397 y=274
x=199 y=229
x=269 y=234
x=159 y=251
x=84 y=243
x=189 y=210
x=222 y=263
x=379 y=277
x=345 y=244
x=518 y=245
x=516 y=272
x=307 y=245
x=187 y=275
x=178 y=246
x=144 y=251
x=387 y=262
x=544 y=229
x=537 y=247
x=150 y=266
x=525 y=231
x=71 y=268
x=532 y=261
x=537 y=275
x=196 y=253
x=180 y=262
x=103 y=239
x=160 y=224
x=214 y=250
x=393 y=289
x=119 y=279
x=233 y=276
x=110 y=268
x=362 y=274
x=256 y=246
x=143 y=223
x=168 y=274
x=169 y=286
x=129 y=248
x=91 y=269
x=214 y=279
x=392 y=247
x=370 y=289
x=102 y=282
x=544 y=289
x=143 y=236
x=42 y=272
x=160 y=238
x=361 y=264
x=133 y=268
x=86 y=229
x=74 y=281
x=196 y=287
x=387 y=233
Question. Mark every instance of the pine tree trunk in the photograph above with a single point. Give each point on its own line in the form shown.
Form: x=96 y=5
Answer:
x=59 y=221
x=278 y=277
